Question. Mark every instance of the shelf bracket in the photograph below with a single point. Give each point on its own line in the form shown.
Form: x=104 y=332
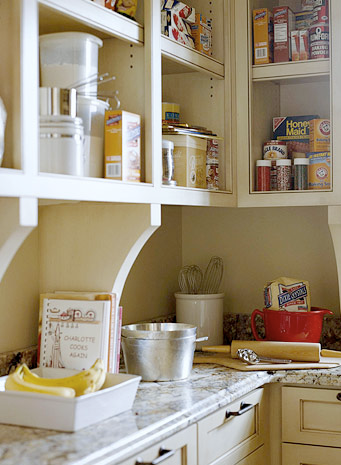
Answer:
x=20 y=217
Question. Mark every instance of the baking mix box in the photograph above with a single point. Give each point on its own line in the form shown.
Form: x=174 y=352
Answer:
x=319 y=135
x=263 y=36
x=319 y=170
x=176 y=28
x=122 y=145
x=284 y=24
x=294 y=130
x=202 y=34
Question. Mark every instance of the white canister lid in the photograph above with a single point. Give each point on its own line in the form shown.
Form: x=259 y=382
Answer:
x=263 y=163
x=301 y=161
x=167 y=144
x=283 y=162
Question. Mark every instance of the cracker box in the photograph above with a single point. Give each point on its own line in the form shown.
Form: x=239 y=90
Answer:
x=263 y=36
x=122 y=145
x=294 y=130
x=189 y=160
x=170 y=18
x=202 y=34
x=184 y=11
x=284 y=23
x=319 y=135
x=319 y=170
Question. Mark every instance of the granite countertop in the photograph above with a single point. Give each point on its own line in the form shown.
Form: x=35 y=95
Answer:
x=160 y=410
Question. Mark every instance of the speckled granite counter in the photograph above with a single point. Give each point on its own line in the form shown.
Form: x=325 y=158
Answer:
x=159 y=410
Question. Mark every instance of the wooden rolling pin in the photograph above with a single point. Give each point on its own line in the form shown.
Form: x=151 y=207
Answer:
x=297 y=351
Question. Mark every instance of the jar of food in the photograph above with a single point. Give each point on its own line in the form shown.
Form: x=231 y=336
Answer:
x=283 y=172
x=263 y=168
x=61 y=145
x=301 y=173
x=274 y=149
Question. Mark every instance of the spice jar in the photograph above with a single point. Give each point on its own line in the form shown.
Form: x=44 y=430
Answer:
x=301 y=173
x=283 y=171
x=263 y=168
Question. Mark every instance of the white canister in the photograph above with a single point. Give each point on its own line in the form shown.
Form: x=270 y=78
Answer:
x=61 y=145
x=205 y=311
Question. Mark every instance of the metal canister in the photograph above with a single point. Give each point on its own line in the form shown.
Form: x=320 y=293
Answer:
x=168 y=163
x=319 y=41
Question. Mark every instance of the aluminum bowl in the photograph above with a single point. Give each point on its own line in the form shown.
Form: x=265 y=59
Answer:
x=159 y=351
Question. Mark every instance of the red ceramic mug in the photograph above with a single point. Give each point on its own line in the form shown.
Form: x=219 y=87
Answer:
x=281 y=325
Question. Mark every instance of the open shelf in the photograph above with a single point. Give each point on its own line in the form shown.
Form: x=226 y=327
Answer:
x=87 y=16
x=298 y=71
x=185 y=59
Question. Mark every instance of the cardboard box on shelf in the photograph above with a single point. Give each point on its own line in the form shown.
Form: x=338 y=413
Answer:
x=319 y=170
x=294 y=130
x=122 y=146
x=184 y=11
x=319 y=135
x=189 y=160
x=284 y=23
x=263 y=36
x=202 y=34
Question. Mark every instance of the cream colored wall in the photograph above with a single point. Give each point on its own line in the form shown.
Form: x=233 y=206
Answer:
x=19 y=297
x=152 y=281
x=261 y=244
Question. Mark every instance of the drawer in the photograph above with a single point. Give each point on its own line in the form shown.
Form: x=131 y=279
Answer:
x=233 y=432
x=311 y=416
x=297 y=454
x=257 y=457
x=183 y=447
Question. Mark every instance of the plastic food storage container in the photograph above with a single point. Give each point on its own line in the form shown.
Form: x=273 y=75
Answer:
x=61 y=145
x=66 y=58
x=92 y=112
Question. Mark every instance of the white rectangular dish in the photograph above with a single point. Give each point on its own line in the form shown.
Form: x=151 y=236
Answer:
x=64 y=414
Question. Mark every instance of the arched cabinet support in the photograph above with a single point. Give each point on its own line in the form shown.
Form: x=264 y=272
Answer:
x=19 y=217
x=334 y=223
x=88 y=246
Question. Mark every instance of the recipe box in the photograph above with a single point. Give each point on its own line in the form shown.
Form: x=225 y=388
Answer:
x=189 y=160
x=67 y=414
x=122 y=145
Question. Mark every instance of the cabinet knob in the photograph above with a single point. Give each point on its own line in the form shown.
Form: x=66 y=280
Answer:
x=164 y=454
x=338 y=396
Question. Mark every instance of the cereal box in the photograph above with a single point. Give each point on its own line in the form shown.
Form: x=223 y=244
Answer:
x=202 y=34
x=319 y=135
x=263 y=36
x=122 y=145
x=284 y=23
x=319 y=170
x=189 y=160
x=294 y=130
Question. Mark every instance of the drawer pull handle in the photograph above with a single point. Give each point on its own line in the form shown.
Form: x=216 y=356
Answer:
x=338 y=396
x=164 y=454
x=243 y=409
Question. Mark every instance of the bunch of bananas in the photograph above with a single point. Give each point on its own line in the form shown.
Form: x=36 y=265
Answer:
x=84 y=382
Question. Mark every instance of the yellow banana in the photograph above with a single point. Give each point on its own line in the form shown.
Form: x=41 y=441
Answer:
x=84 y=382
x=15 y=382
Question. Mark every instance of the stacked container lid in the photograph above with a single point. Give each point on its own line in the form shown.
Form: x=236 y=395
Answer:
x=67 y=59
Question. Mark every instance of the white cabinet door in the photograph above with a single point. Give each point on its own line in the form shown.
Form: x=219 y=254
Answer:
x=179 y=449
x=229 y=435
x=297 y=454
x=311 y=416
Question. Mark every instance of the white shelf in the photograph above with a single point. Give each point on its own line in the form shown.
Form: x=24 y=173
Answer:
x=84 y=15
x=185 y=59
x=297 y=71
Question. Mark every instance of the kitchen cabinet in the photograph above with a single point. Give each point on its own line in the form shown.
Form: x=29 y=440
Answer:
x=282 y=89
x=179 y=449
x=234 y=432
x=311 y=426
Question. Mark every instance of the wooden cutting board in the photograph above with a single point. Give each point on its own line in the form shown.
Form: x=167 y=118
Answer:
x=227 y=361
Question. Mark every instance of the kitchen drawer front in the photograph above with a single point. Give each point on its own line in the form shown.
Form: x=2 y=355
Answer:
x=311 y=416
x=184 y=445
x=226 y=437
x=297 y=454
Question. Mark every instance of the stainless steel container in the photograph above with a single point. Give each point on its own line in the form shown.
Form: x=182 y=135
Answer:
x=54 y=101
x=159 y=351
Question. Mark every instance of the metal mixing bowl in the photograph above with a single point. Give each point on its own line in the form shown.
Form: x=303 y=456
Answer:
x=159 y=351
